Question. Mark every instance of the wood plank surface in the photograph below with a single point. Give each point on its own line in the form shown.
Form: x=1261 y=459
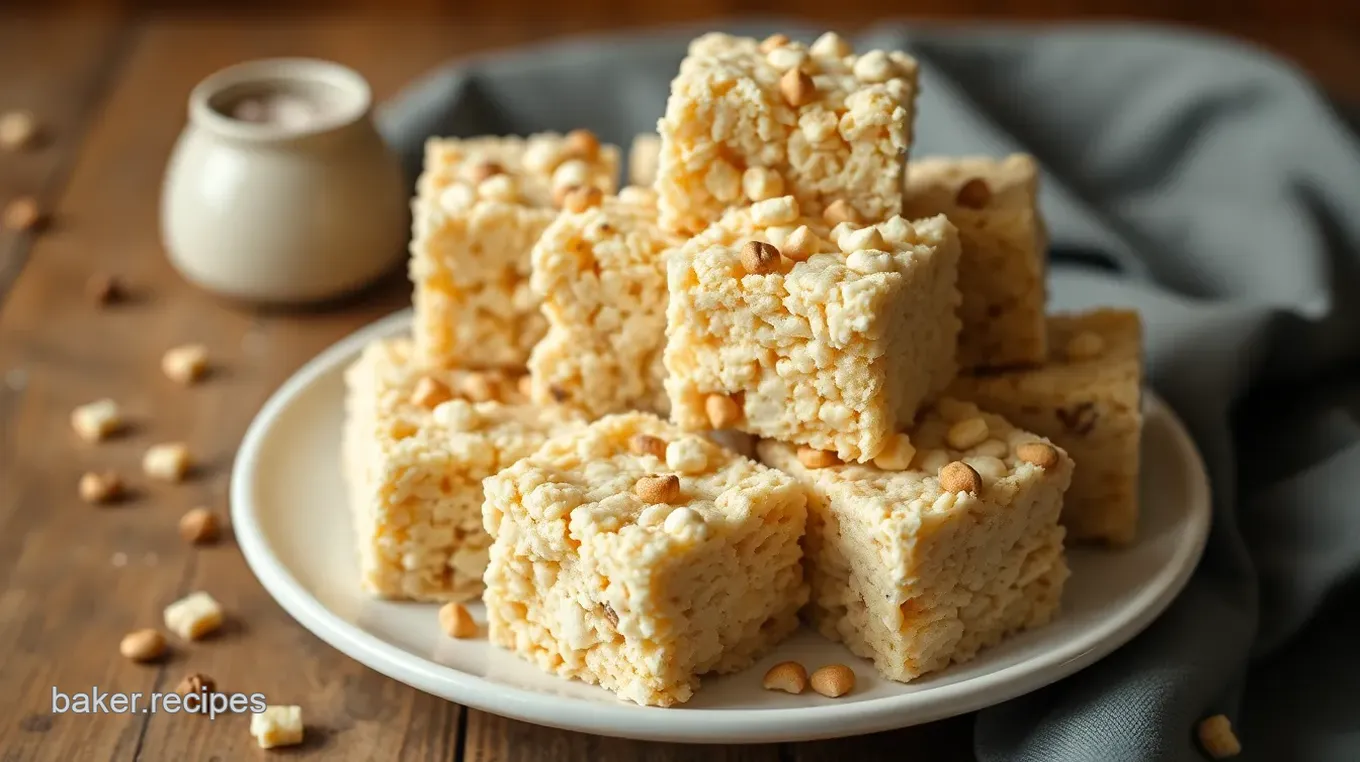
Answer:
x=74 y=578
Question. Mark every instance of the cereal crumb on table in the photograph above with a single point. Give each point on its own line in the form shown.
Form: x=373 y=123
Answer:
x=142 y=645
x=185 y=364
x=169 y=461
x=101 y=487
x=198 y=526
x=1217 y=738
x=23 y=214
x=456 y=621
x=277 y=726
x=193 y=617
x=97 y=420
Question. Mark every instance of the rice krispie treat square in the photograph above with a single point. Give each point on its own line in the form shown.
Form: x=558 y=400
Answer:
x=416 y=447
x=832 y=339
x=994 y=204
x=601 y=274
x=747 y=121
x=638 y=558
x=1088 y=399
x=481 y=204
x=949 y=547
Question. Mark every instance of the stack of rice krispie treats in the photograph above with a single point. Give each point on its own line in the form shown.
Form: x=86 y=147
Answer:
x=783 y=372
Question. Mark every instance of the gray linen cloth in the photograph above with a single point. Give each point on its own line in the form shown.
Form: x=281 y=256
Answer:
x=1197 y=180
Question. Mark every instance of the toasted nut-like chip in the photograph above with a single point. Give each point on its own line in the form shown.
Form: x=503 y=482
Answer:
x=974 y=194
x=456 y=622
x=960 y=477
x=185 y=364
x=582 y=144
x=142 y=645
x=101 y=487
x=430 y=393
x=833 y=680
x=198 y=526
x=759 y=258
x=787 y=676
x=811 y=457
x=722 y=411
x=581 y=198
x=645 y=444
x=664 y=488
x=1040 y=454
x=1217 y=737
x=797 y=88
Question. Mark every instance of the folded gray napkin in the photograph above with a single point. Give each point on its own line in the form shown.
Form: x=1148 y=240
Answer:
x=1197 y=180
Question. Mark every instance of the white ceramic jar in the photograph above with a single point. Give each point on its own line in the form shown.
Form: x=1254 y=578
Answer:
x=280 y=189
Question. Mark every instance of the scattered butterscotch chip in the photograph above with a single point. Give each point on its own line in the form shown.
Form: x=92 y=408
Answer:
x=456 y=622
x=18 y=130
x=277 y=726
x=645 y=444
x=430 y=393
x=723 y=411
x=196 y=682
x=1040 y=454
x=142 y=645
x=582 y=198
x=582 y=144
x=839 y=211
x=974 y=194
x=897 y=454
x=786 y=676
x=97 y=420
x=797 y=87
x=811 y=457
x=959 y=477
x=185 y=364
x=193 y=616
x=101 y=487
x=772 y=42
x=833 y=680
x=800 y=244
x=198 y=526
x=477 y=387
x=1086 y=345
x=759 y=257
x=23 y=214
x=664 y=488
x=1217 y=737
x=484 y=170
x=968 y=433
x=169 y=461
x=104 y=289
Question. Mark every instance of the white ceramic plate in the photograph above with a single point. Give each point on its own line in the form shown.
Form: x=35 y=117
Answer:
x=291 y=519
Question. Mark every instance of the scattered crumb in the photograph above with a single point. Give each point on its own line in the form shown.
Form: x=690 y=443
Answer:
x=185 y=364
x=142 y=645
x=198 y=526
x=23 y=214
x=169 y=461
x=194 y=616
x=277 y=726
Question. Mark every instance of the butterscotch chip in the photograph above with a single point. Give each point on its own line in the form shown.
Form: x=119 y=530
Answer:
x=1217 y=737
x=759 y=258
x=974 y=194
x=645 y=444
x=1086 y=345
x=142 y=645
x=456 y=622
x=966 y=434
x=104 y=289
x=484 y=170
x=800 y=244
x=18 y=130
x=833 y=680
x=839 y=211
x=772 y=42
x=185 y=364
x=23 y=214
x=811 y=457
x=787 y=676
x=582 y=144
x=477 y=387
x=797 y=87
x=101 y=487
x=664 y=488
x=198 y=526
x=959 y=477
x=1040 y=454
x=430 y=393
x=582 y=198
x=723 y=411
x=897 y=454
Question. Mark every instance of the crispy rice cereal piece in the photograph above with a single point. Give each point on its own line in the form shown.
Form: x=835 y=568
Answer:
x=590 y=580
x=914 y=576
x=820 y=123
x=415 y=453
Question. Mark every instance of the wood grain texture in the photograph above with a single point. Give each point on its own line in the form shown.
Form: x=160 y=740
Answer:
x=74 y=578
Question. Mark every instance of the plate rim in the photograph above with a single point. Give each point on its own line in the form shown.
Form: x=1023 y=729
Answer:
x=686 y=725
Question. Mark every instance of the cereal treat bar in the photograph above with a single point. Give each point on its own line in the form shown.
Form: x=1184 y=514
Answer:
x=776 y=331
x=638 y=558
x=994 y=204
x=1087 y=399
x=481 y=204
x=747 y=121
x=602 y=277
x=944 y=546
x=416 y=448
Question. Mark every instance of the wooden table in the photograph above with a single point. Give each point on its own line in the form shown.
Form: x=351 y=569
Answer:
x=74 y=578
